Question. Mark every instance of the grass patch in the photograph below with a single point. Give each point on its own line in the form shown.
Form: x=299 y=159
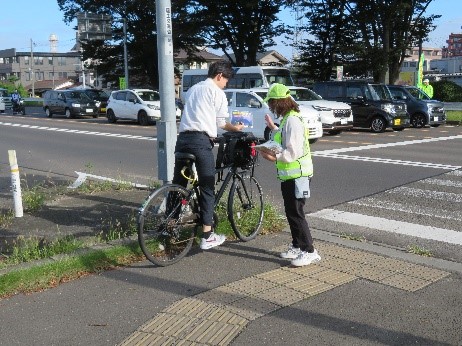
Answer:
x=454 y=116
x=90 y=186
x=49 y=275
x=6 y=218
x=417 y=250
x=354 y=237
x=30 y=249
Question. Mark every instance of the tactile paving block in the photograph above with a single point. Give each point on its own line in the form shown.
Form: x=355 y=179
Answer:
x=213 y=333
x=167 y=324
x=309 y=286
x=252 y=308
x=250 y=285
x=425 y=273
x=283 y=296
x=405 y=282
x=221 y=295
x=279 y=276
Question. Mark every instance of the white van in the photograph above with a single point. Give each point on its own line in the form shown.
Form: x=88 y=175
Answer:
x=247 y=77
x=335 y=116
x=246 y=106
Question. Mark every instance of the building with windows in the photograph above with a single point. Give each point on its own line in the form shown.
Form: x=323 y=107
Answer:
x=454 y=47
x=411 y=61
x=30 y=68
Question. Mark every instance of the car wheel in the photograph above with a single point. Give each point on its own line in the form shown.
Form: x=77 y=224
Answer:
x=143 y=118
x=48 y=112
x=378 y=125
x=418 y=121
x=435 y=125
x=111 y=116
x=67 y=113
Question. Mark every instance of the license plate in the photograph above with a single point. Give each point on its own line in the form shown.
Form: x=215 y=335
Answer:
x=89 y=110
x=397 y=121
x=103 y=110
x=435 y=118
x=343 y=121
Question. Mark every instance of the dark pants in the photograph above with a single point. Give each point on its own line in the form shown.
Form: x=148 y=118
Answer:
x=301 y=234
x=201 y=146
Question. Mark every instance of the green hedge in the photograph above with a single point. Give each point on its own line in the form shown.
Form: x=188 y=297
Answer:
x=447 y=91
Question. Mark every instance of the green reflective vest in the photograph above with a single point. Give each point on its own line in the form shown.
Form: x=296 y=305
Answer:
x=303 y=166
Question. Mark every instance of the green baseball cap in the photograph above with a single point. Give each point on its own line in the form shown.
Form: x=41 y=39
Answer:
x=277 y=91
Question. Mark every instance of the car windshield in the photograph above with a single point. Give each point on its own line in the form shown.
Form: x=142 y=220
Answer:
x=378 y=92
x=418 y=94
x=304 y=95
x=148 y=95
x=78 y=95
x=97 y=94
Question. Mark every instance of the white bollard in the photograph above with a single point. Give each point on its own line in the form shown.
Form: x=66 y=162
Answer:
x=15 y=184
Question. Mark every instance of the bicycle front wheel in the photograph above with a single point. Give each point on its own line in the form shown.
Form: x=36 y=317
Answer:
x=245 y=207
x=167 y=224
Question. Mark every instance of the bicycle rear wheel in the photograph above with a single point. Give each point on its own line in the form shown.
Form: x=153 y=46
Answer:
x=245 y=207
x=167 y=224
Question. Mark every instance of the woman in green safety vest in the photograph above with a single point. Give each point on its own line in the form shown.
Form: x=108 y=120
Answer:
x=294 y=169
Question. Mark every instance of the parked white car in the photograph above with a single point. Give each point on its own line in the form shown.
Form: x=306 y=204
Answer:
x=142 y=105
x=246 y=106
x=335 y=116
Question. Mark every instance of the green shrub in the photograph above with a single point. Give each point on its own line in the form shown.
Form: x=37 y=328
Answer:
x=447 y=91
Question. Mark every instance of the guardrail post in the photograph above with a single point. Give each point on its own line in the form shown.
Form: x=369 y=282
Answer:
x=15 y=184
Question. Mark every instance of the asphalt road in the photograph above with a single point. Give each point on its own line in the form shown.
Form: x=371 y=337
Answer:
x=349 y=168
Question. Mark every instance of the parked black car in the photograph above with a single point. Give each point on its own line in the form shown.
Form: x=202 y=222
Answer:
x=422 y=110
x=71 y=103
x=372 y=104
x=99 y=96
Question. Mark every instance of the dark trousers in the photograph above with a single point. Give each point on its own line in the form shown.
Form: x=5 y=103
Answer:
x=201 y=146
x=301 y=234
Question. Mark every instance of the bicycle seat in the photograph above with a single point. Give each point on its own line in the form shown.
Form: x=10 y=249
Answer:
x=185 y=156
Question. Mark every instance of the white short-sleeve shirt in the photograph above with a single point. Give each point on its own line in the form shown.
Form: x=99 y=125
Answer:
x=206 y=108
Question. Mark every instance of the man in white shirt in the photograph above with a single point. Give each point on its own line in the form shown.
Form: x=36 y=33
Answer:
x=205 y=110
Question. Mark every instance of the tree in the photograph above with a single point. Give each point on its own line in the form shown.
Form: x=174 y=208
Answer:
x=241 y=27
x=369 y=37
x=140 y=16
x=330 y=35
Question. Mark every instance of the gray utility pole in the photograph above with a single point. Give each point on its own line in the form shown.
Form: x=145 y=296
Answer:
x=32 y=67
x=166 y=128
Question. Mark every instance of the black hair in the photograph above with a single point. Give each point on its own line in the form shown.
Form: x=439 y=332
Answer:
x=222 y=66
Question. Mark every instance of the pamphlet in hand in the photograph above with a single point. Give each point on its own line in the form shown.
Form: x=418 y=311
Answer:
x=271 y=147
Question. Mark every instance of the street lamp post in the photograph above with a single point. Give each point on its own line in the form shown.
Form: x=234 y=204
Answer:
x=125 y=52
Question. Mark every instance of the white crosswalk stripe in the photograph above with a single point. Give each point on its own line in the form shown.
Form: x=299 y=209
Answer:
x=428 y=209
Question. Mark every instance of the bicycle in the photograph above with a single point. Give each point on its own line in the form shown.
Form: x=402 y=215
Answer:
x=168 y=220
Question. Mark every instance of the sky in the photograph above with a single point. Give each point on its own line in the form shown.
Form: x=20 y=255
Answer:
x=26 y=20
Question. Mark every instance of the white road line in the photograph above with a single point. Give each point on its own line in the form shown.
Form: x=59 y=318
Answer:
x=35 y=127
x=392 y=226
x=386 y=145
x=371 y=202
x=421 y=193
x=442 y=182
x=389 y=161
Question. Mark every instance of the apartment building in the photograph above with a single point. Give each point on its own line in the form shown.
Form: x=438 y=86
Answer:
x=39 y=66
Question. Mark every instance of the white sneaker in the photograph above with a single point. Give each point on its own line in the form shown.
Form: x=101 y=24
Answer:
x=305 y=258
x=291 y=253
x=212 y=241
